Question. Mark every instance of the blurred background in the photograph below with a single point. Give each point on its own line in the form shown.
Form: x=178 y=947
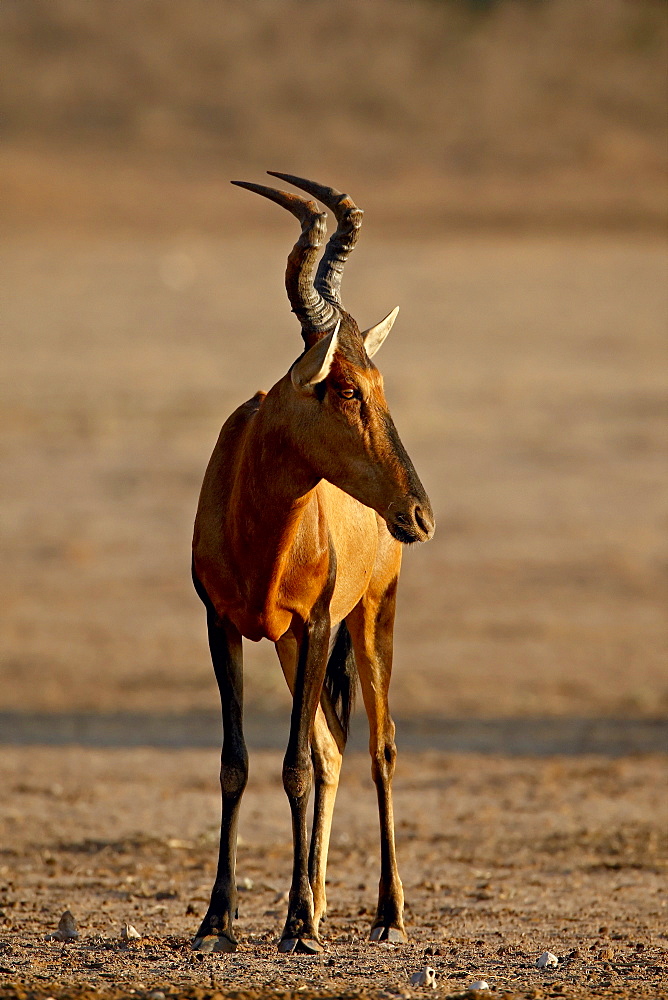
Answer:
x=511 y=159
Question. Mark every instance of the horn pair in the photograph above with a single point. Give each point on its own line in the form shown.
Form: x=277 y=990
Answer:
x=316 y=302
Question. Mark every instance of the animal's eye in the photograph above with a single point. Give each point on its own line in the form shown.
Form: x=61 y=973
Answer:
x=346 y=393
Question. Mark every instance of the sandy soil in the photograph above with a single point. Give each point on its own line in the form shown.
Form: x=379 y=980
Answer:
x=501 y=859
x=469 y=113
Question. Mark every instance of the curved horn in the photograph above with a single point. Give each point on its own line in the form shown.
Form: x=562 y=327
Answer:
x=341 y=243
x=315 y=313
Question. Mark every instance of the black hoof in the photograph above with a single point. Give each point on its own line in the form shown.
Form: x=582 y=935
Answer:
x=214 y=943
x=395 y=935
x=299 y=946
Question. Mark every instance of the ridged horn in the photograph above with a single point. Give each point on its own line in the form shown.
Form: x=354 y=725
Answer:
x=316 y=314
x=342 y=243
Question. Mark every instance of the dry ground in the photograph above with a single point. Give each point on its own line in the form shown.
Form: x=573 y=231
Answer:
x=477 y=113
x=501 y=859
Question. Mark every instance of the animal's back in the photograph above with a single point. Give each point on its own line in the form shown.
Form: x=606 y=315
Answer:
x=220 y=474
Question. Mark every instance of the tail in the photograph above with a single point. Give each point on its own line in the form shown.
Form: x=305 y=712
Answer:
x=341 y=677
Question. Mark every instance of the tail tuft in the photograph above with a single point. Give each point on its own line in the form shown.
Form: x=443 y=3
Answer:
x=341 y=677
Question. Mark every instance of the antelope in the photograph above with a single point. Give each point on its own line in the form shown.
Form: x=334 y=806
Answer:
x=307 y=499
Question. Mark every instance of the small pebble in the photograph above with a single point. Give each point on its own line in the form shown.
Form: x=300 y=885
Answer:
x=156 y=995
x=546 y=960
x=479 y=984
x=130 y=933
x=67 y=929
x=246 y=884
x=425 y=977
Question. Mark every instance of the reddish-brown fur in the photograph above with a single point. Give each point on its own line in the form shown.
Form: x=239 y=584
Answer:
x=305 y=502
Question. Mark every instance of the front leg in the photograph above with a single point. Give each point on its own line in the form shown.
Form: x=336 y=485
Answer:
x=371 y=625
x=215 y=932
x=300 y=932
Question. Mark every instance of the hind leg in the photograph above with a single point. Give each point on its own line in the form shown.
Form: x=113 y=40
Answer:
x=215 y=932
x=327 y=747
x=327 y=751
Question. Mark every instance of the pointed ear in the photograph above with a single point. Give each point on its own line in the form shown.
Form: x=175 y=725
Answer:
x=375 y=335
x=314 y=366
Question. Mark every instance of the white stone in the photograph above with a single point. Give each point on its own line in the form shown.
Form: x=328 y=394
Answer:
x=479 y=984
x=425 y=977
x=130 y=933
x=547 y=959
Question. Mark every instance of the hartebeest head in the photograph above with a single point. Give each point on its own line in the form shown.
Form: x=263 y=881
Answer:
x=332 y=401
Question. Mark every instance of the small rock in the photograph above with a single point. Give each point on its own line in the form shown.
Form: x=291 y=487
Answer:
x=246 y=884
x=130 y=933
x=425 y=977
x=156 y=995
x=67 y=929
x=479 y=984
x=546 y=960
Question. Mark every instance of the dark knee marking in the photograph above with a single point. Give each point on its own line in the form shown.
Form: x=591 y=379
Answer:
x=296 y=781
x=383 y=761
x=233 y=778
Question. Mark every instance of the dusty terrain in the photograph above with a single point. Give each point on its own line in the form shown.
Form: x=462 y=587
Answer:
x=501 y=859
x=546 y=116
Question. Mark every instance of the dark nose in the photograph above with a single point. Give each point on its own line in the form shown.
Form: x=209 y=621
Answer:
x=424 y=519
x=415 y=524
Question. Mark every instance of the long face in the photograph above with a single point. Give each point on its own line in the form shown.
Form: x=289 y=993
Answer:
x=347 y=435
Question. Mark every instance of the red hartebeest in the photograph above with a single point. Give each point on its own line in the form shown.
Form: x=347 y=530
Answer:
x=306 y=500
